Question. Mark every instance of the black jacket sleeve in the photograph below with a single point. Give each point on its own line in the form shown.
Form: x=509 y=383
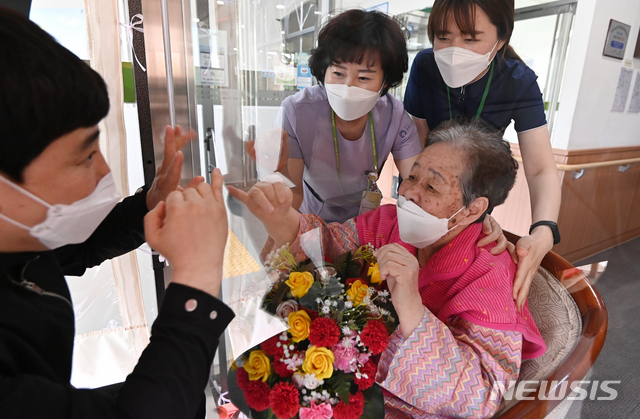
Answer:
x=119 y=233
x=167 y=383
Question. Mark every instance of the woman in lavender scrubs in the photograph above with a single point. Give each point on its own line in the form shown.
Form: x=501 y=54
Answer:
x=343 y=129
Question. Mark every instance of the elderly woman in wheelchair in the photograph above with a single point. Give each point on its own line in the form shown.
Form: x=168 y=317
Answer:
x=460 y=330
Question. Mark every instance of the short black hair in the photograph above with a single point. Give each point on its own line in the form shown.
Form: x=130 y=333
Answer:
x=353 y=35
x=501 y=14
x=45 y=92
x=490 y=169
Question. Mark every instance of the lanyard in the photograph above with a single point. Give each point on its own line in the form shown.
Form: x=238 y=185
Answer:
x=484 y=95
x=335 y=146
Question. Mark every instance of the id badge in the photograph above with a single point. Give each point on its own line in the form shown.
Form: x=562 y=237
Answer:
x=370 y=201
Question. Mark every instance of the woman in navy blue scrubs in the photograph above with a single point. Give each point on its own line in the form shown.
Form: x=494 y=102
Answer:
x=472 y=72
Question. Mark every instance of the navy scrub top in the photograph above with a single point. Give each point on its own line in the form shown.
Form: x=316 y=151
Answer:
x=513 y=94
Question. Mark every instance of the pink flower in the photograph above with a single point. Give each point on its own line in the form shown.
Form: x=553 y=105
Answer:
x=320 y=411
x=363 y=358
x=346 y=356
x=287 y=307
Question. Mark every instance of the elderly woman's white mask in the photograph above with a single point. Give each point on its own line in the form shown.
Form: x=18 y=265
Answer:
x=419 y=228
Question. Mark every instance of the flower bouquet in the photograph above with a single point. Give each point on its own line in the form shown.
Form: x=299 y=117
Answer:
x=340 y=318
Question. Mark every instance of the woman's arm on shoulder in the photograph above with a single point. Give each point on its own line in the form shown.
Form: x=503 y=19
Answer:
x=544 y=191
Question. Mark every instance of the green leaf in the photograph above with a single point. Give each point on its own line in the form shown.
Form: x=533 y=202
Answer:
x=333 y=287
x=373 y=403
x=354 y=270
x=342 y=262
x=341 y=384
x=309 y=301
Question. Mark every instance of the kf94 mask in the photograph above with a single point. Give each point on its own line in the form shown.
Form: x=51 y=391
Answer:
x=74 y=223
x=419 y=228
x=351 y=102
x=458 y=66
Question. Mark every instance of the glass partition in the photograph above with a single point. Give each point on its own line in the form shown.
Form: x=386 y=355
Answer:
x=248 y=56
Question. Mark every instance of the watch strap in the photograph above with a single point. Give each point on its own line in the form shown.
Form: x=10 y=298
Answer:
x=552 y=225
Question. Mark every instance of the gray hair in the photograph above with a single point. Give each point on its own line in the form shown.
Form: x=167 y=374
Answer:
x=489 y=170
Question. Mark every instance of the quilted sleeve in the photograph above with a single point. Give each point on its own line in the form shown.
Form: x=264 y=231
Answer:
x=448 y=369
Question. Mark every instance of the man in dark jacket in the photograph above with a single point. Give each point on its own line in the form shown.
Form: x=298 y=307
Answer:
x=59 y=215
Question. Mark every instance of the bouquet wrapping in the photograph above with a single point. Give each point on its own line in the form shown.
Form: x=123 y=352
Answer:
x=340 y=318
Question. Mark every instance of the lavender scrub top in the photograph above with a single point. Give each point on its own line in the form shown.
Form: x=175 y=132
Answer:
x=306 y=116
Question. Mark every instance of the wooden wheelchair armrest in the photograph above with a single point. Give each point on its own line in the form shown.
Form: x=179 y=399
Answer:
x=594 y=330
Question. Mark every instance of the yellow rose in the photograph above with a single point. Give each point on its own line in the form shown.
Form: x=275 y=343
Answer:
x=299 y=323
x=318 y=361
x=258 y=366
x=300 y=282
x=357 y=292
x=374 y=273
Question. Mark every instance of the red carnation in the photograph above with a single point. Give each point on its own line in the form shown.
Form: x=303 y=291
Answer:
x=242 y=378
x=283 y=400
x=353 y=410
x=369 y=369
x=324 y=332
x=270 y=346
x=256 y=393
x=281 y=368
x=375 y=336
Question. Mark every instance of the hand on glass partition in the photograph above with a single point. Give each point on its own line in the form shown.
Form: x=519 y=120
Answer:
x=271 y=204
x=168 y=175
x=190 y=230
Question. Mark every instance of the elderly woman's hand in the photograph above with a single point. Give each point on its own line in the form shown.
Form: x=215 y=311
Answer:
x=400 y=269
x=530 y=250
x=271 y=204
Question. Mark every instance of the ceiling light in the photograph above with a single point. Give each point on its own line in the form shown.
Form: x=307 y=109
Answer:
x=280 y=6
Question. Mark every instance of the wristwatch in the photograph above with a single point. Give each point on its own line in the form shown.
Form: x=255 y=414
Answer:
x=552 y=225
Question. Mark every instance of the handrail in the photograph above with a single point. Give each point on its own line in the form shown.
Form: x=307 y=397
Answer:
x=582 y=166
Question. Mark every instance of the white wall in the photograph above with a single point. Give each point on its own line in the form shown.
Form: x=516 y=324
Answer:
x=585 y=119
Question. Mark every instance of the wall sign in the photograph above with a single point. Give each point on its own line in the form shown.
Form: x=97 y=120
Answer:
x=617 y=39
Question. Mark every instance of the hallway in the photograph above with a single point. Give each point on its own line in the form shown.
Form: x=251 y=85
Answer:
x=619 y=286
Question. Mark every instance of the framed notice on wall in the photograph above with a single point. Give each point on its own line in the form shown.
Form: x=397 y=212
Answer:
x=617 y=39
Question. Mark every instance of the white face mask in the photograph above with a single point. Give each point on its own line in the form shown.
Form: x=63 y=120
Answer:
x=419 y=228
x=70 y=224
x=351 y=102
x=459 y=66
